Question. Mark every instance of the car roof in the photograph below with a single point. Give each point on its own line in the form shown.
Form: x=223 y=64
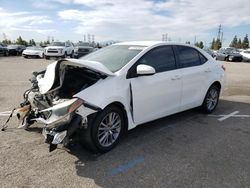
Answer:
x=151 y=43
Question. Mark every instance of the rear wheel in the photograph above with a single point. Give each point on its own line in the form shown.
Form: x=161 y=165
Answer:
x=104 y=130
x=72 y=54
x=6 y=53
x=46 y=57
x=211 y=99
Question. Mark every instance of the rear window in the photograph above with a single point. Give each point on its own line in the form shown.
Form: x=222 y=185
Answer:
x=188 y=57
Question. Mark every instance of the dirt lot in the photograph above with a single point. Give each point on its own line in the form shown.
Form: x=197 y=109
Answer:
x=188 y=149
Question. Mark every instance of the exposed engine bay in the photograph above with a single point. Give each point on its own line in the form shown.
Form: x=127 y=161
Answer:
x=51 y=100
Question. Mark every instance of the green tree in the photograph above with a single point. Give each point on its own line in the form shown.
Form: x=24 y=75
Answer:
x=213 y=44
x=234 y=42
x=239 y=44
x=199 y=44
x=217 y=44
x=6 y=41
x=21 y=41
x=245 y=42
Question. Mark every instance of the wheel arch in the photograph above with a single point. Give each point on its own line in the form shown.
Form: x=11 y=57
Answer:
x=124 y=111
x=217 y=84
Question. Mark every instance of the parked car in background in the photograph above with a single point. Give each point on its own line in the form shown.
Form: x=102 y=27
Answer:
x=33 y=51
x=228 y=54
x=3 y=50
x=15 y=49
x=82 y=49
x=245 y=55
x=209 y=51
x=107 y=92
x=59 y=49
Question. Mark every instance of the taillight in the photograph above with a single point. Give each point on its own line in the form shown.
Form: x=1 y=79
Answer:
x=223 y=67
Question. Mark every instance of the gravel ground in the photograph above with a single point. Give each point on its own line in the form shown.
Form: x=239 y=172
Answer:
x=188 y=149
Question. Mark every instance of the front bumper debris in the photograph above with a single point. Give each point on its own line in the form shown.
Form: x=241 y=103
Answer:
x=62 y=133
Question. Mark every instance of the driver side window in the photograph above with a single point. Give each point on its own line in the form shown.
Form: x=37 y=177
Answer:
x=160 y=58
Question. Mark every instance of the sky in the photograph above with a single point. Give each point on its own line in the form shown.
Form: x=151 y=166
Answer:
x=124 y=20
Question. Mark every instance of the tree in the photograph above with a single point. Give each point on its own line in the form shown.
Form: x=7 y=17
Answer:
x=216 y=44
x=20 y=41
x=199 y=44
x=32 y=42
x=239 y=44
x=6 y=41
x=245 y=42
x=234 y=42
x=213 y=44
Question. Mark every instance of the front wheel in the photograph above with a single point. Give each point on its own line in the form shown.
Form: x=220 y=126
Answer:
x=46 y=57
x=72 y=54
x=104 y=130
x=211 y=99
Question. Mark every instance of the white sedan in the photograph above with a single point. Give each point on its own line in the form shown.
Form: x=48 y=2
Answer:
x=33 y=51
x=114 y=89
x=246 y=55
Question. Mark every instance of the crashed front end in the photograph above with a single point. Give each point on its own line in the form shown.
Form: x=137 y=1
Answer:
x=51 y=100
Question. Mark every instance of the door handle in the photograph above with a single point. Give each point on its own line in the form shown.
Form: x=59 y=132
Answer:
x=176 y=77
x=207 y=70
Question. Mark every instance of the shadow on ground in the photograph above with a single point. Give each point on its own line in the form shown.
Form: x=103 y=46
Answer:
x=186 y=149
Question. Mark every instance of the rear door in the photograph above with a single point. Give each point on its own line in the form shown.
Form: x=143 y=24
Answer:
x=156 y=95
x=194 y=71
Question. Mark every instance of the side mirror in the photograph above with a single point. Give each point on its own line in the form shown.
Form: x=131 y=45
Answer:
x=144 y=70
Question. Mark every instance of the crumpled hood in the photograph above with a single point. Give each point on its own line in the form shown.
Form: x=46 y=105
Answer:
x=45 y=83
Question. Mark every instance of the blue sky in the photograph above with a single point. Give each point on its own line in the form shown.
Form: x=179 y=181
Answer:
x=124 y=20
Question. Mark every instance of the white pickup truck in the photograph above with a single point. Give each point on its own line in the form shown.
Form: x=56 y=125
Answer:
x=59 y=49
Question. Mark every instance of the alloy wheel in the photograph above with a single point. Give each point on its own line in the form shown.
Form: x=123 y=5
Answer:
x=109 y=129
x=212 y=99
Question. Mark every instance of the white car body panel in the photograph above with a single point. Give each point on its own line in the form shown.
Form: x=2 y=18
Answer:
x=33 y=52
x=246 y=54
x=156 y=96
x=58 y=51
x=153 y=96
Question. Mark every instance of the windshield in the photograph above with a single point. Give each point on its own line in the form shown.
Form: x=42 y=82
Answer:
x=58 y=44
x=116 y=56
x=83 y=44
x=34 y=48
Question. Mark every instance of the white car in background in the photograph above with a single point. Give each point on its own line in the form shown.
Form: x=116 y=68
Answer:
x=33 y=51
x=107 y=92
x=59 y=49
x=246 y=55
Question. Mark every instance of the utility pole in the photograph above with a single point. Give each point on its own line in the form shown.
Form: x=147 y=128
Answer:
x=84 y=38
x=89 y=40
x=221 y=40
x=219 y=33
x=194 y=39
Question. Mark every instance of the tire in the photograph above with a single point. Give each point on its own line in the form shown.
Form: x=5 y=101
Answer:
x=46 y=57
x=72 y=54
x=65 y=55
x=93 y=138
x=6 y=53
x=211 y=100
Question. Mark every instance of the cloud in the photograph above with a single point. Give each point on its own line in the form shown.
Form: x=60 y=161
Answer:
x=23 y=21
x=148 y=20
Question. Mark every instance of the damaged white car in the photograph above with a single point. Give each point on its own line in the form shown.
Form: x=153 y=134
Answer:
x=112 y=90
